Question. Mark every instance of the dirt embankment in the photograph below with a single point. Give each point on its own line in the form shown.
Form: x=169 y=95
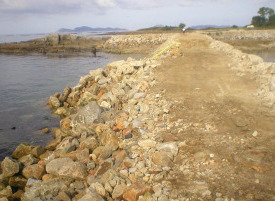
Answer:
x=246 y=40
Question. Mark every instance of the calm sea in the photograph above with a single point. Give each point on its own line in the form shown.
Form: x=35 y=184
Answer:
x=27 y=81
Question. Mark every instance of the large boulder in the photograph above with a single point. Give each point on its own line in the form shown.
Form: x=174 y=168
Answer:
x=9 y=167
x=67 y=167
x=22 y=150
x=87 y=114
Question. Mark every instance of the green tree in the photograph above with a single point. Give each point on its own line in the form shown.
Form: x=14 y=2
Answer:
x=181 y=25
x=258 y=21
x=271 y=20
x=266 y=12
x=235 y=27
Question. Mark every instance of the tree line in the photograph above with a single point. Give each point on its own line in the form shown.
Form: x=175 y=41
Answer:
x=266 y=17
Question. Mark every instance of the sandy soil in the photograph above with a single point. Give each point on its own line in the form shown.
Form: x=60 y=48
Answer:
x=228 y=145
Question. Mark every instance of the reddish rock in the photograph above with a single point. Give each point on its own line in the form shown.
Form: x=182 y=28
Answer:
x=65 y=124
x=48 y=177
x=135 y=190
x=120 y=123
x=101 y=92
x=18 y=194
x=33 y=171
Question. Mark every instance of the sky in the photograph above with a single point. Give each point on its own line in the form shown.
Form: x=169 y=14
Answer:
x=47 y=16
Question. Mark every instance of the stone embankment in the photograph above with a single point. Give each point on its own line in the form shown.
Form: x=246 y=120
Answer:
x=244 y=63
x=114 y=140
x=144 y=43
x=107 y=145
x=246 y=40
x=242 y=34
x=55 y=43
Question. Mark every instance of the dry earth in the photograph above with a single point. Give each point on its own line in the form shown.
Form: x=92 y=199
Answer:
x=226 y=135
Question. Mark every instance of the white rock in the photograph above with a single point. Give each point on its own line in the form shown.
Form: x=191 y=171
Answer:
x=170 y=147
x=255 y=134
x=147 y=143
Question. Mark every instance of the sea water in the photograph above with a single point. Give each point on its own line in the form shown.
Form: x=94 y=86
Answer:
x=27 y=81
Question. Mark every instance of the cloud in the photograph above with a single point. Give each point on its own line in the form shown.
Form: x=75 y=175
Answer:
x=54 y=6
x=70 y=6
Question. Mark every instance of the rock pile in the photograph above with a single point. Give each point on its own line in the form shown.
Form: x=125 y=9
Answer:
x=120 y=43
x=108 y=146
x=243 y=35
x=247 y=63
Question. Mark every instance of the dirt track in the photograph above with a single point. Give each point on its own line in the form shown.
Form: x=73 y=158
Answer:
x=227 y=148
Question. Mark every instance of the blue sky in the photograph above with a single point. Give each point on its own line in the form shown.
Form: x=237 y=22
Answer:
x=46 y=16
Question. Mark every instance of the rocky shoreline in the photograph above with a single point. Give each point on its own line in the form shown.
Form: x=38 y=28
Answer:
x=114 y=141
x=102 y=148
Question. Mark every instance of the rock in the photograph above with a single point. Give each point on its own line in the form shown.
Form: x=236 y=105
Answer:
x=22 y=150
x=91 y=196
x=104 y=80
x=87 y=114
x=73 y=98
x=9 y=167
x=90 y=143
x=33 y=171
x=135 y=190
x=28 y=160
x=170 y=147
x=105 y=104
x=83 y=156
x=45 y=130
x=137 y=64
x=65 y=94
x=19 y=182
x=61 y=111
x=162 y=159
x=118 y=191
x=157 y=190
x=7 y=192
x=18 y=194
x=255 y=134
x=38 y=151
x=240 y=122
x=98 y=187
x=67 y=145
x=46 y=190
x=65 y=124
x=147 y=143
x=63 y=196
x=67 y=167
x=54 y=102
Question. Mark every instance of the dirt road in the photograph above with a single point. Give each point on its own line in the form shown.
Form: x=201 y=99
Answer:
x=227 y=137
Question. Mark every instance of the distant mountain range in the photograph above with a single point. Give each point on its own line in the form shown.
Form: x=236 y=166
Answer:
x=88 y=29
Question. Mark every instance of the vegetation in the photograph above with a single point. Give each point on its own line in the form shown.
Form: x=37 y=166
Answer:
x=266 y=18
x=181 y=25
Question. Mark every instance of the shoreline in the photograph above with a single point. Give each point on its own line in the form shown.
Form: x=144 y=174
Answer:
x=108 y=144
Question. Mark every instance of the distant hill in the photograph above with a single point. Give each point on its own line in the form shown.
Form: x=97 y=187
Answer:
x=209 y=26
x=88 y=29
